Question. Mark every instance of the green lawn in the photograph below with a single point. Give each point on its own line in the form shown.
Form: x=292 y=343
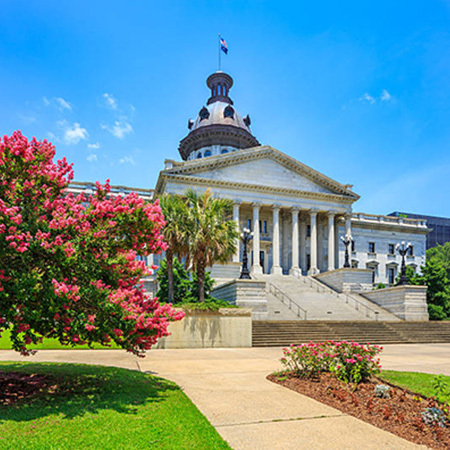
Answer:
x=47 y=344
x=421 y=383
x=94 y=407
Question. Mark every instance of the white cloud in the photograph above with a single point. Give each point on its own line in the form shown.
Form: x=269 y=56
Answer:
x=63 y=104
x=73 y=133
x=127 y=160
x=120 y=129
x=367 y=98
x=92 y=157
x=95 y=146
x=110 y=101
x=46 y=101
x=385 y=95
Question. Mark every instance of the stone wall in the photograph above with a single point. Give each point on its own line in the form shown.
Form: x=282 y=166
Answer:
x=406 y=302
x=347 y=279
x=227 y=327
x=246 y=294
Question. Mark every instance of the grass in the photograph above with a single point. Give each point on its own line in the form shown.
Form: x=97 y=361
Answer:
x=94 y=407
x=421 y=383
x=48 y=344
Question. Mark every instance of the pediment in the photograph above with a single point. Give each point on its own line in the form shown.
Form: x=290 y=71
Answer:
x=262 y=166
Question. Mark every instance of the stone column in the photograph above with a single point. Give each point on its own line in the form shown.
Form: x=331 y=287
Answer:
x=313 y=269
x=150 y=261
x=236 y=206
x=256 y=267
x=294 y=268
x=276 y=268
x=331 y=261
x=303 y=267
x=348 y=224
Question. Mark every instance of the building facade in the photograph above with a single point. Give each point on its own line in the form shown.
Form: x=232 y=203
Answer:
x=439 y=227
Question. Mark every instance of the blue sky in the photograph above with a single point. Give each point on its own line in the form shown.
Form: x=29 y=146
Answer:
x=357 y=90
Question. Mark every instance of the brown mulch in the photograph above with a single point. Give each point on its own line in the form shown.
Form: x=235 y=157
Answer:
x=399 y=414
x=16 y=386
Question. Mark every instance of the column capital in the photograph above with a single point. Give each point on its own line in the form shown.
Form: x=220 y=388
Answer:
x=348 y=215
x=256 y=205
x=276 y=206
x=313 y=211
x=331 y=213
x=296 y=209
x=237 y=201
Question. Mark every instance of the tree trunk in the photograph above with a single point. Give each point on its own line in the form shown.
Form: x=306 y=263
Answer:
x=169 y=259
x=201 y=281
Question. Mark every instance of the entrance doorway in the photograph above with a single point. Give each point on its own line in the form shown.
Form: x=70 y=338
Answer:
x=262 y=260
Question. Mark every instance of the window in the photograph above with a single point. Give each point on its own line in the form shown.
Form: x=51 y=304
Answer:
x=411 y=251
x=391 y=275
x=207 y=153
x=308 y=261
x=265 y=226
x=260 y=227
x=199 y=155
x=204 y=114
x=353 y=246
x=249 y=224
x=371 y=247
x=308 y=231
x=228 y=112
x=391 y=249
x=224 y=150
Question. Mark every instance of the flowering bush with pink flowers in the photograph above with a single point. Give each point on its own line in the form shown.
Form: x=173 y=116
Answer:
x=348 y=361
x=68 y=265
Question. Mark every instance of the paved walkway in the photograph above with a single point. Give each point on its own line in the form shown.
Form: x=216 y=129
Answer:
x=229 y=386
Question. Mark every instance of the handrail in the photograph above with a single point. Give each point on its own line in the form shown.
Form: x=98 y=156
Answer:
x=313 y=283
x=283 y=297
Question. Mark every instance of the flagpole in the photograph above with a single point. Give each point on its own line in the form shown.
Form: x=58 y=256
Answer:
x=219 y=50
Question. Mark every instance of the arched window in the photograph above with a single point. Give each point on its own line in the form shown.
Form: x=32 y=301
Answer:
x=199 y=155
x=224 y=150
x=228 y=112
x=207 y=153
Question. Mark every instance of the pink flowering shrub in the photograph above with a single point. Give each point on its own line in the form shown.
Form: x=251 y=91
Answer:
x=348 y=361
x=68 y=265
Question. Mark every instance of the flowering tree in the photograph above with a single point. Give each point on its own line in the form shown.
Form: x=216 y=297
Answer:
x=68 y=267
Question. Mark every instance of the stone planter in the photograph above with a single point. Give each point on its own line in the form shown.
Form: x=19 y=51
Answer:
x=227 y=327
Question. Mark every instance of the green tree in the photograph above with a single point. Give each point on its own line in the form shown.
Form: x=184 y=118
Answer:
x=185 y=287
x=212 y=233
x=175 y=234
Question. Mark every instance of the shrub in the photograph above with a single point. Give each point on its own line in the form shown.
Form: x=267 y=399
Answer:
x=348 y=361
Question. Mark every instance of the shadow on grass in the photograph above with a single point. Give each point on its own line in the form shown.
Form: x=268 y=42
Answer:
x=73 y=390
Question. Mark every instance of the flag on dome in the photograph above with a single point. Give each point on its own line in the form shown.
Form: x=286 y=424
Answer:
x=223 y=45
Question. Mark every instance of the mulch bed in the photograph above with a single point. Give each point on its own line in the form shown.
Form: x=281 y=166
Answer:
x=16 y=386
x=399 y=414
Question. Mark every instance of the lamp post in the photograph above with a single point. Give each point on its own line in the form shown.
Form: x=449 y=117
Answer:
x=403 y=250
x=246 y=237
x=347 y=240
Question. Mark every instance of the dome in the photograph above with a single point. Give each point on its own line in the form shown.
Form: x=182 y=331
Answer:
x=218 y=124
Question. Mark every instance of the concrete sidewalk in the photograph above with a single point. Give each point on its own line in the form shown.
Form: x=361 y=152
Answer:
x=229 y=387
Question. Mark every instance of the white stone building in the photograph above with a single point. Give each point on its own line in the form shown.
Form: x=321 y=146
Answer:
x=299 y=212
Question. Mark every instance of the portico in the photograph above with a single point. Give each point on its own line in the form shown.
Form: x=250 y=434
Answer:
x=299 y=234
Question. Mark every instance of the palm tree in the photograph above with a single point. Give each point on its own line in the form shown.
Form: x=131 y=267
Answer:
x=175 y=233
x=212 y=233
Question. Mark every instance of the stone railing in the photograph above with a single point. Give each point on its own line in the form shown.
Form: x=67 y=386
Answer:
x=390 y=220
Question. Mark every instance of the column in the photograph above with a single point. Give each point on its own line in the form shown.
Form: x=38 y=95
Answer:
x=256 y=267
x=337 y=240
x=331 y=262
x=276 y=268
x=294 y=267
x=303 y=268
x=348 y=224
x=236 y=206
x=313 y=269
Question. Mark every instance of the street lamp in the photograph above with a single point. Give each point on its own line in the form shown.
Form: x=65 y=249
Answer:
x=246 y=237
x=403 y=249
x=347 y=240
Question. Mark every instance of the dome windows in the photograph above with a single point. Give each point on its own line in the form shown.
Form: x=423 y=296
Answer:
x=228 y=112
x=223 y=151
x=199 y=155
x=204 y=113
x=208 y=153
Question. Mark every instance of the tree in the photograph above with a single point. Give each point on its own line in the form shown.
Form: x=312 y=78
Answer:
x=212 y=233
x=436 y=276
x=68 y=264
x=175 y=234
x=185 y=286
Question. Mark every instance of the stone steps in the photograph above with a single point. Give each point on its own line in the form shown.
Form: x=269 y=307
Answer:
x=284 y=333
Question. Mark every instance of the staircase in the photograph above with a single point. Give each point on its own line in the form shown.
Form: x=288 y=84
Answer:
x=304 y=298
x=283 y=333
